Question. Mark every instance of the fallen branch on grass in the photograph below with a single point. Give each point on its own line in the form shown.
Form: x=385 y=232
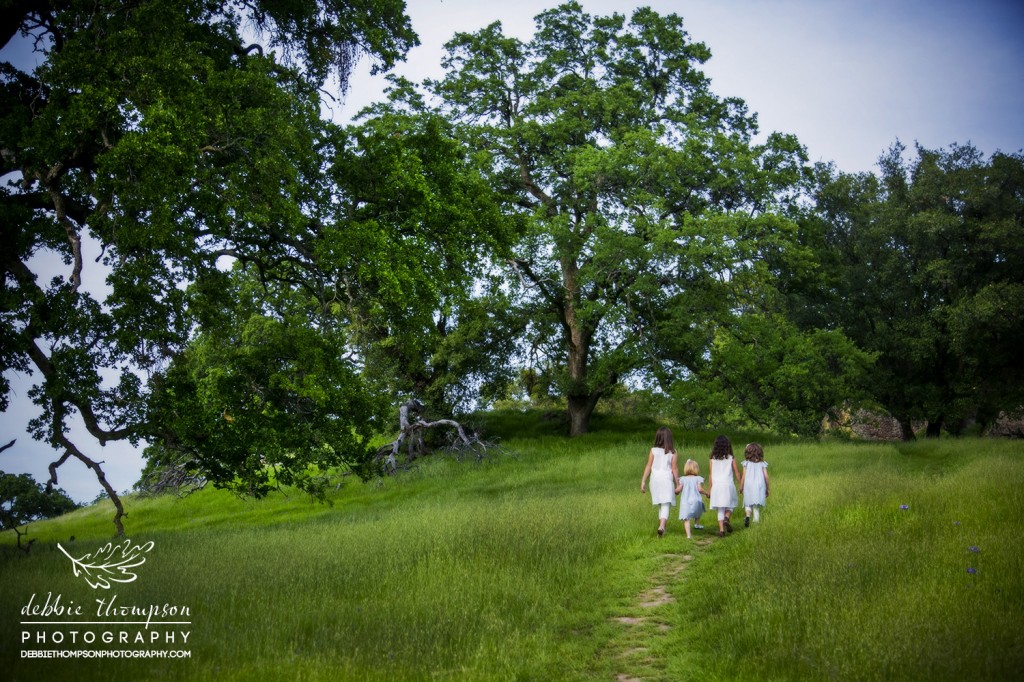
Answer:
x=412 y=428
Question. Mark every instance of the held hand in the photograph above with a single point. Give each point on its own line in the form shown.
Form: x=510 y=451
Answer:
x=679 y=488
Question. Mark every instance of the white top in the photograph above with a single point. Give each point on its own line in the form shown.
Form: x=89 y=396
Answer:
x=755 y=491
x=663 y=489
x=723 y=485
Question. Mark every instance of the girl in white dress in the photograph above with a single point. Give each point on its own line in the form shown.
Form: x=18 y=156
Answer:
x=724 y=474
x=690 y=504
x=664 y=474
x=754 y=482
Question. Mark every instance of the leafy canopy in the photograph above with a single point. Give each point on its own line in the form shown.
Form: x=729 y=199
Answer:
x=641 y=192
x=927 y=272
x=156 y=136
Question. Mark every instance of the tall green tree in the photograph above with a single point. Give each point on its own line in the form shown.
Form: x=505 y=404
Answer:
x=636 y=183
x=927 y=263
x=759 y=362
x=290 y=375
x=266 y=396
x=155 y=130
x=410 y=182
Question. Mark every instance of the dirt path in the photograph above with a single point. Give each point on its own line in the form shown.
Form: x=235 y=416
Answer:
x=643 y=621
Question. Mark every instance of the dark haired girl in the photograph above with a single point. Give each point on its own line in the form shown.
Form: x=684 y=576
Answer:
x=664 y=473
x=722 y=477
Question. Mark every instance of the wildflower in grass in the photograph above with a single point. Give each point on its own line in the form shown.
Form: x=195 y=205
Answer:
x=974 y=548
x=956 y=523
x=972 y=570
x=904 y=507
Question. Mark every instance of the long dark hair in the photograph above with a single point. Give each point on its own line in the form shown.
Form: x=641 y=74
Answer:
x=722 y=448
x=663 y=439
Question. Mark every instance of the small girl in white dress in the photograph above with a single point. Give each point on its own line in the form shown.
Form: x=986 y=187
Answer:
x=754 y=482
x=690 y=504
x=724 y=474
x=664 y=473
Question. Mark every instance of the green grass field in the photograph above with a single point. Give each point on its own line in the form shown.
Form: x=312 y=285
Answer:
x=542 y=564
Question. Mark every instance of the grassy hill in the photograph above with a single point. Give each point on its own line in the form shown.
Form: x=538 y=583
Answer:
x=873 y=561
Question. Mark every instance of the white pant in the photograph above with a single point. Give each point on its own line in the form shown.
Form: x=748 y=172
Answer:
x=663 y=509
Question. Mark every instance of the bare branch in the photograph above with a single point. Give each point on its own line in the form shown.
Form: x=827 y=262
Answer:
x=71 y=450
x=181 y=476
x=412 y=432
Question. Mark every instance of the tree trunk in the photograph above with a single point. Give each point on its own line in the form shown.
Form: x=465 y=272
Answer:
x=960 y=426
x=934 y=429
x=580 y=409
x=577 y=340
x=583 y=393
x=906 y=429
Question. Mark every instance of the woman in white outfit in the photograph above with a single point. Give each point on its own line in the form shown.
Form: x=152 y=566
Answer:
x=663 y=471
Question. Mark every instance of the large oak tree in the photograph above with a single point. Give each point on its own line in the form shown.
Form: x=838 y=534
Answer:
x=157 y=130
x=642 y=191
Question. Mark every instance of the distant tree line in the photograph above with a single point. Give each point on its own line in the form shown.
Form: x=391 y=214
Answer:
x=578 y=210
x=23 y=500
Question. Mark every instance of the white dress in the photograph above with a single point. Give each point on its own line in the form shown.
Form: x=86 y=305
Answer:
x=663 y=488
x=690 y=504
x=754 y=489
x=723 y=485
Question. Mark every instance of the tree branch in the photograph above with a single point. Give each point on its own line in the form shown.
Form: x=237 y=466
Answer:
x=412 y=431
x=85 y=409
x=523 y=269
x=70 y=229
x=534 y=189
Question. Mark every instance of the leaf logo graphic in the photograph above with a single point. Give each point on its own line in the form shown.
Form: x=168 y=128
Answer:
x=110 y=563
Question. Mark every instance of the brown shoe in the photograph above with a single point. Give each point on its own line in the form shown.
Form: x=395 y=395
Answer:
x=661 y=531
x=728 y=526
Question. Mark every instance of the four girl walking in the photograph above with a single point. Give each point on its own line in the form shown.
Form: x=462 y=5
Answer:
x=723 y=493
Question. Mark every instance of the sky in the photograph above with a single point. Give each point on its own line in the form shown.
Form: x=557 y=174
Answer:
x=848 y=78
